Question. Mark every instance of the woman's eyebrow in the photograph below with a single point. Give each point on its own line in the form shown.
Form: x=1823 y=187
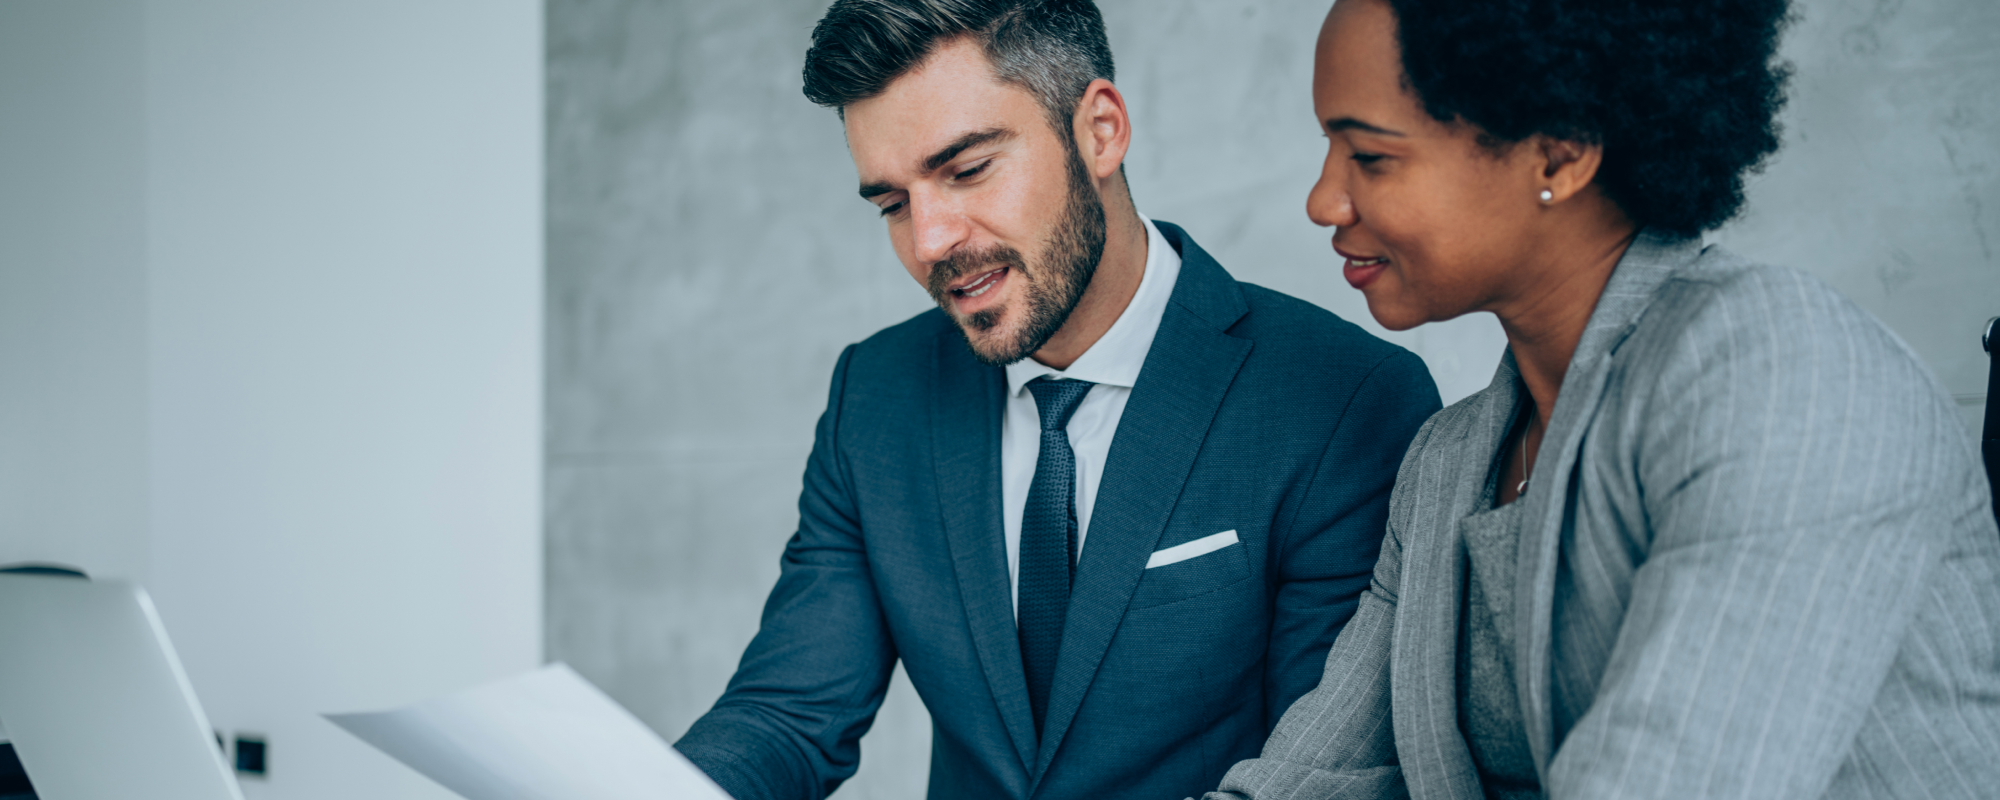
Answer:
x=1340 y=124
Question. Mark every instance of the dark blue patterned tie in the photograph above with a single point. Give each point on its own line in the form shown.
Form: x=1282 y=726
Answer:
x=1048 y=540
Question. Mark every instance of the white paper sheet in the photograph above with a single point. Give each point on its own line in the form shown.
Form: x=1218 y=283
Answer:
x=543 y=735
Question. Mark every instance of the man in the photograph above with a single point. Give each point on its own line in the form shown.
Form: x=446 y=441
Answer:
x=1108 y=506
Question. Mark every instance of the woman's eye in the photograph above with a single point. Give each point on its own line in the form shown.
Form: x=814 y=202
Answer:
x=1366 y=159
x=891 y=208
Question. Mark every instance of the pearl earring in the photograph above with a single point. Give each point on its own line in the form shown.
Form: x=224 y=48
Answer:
x=1548 y=196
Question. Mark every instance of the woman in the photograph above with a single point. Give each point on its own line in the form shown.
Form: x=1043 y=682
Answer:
x=1712 y=531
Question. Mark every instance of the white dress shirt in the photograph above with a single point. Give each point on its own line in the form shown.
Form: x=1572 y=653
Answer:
x=1113 y=364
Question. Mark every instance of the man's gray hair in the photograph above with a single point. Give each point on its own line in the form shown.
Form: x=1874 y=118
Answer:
x=1052 y=48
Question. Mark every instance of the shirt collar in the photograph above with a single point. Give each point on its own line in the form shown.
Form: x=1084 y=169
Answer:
x=1115 y=359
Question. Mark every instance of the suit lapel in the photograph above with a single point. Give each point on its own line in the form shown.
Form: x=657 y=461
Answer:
x=1185 y=377
x=1431 y=599
x=965 y=444
x=1645 y=266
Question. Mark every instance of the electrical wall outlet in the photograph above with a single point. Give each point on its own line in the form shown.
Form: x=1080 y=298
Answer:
x=252 y=755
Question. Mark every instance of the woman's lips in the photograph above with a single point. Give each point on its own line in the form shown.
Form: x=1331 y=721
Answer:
x=1360 y=272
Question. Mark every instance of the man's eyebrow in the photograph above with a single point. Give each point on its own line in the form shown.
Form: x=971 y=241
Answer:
x=1352 y=124
x=966 y=142
x=870 y=191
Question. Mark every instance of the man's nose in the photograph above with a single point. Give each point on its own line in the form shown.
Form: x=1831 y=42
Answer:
x=937 y=226
x=1329 y=204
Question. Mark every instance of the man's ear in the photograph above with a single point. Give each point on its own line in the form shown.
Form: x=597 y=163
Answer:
x=1567 y=166
x=1103 y=129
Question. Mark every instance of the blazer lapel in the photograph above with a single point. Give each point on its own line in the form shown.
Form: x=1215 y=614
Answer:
x=965 y=445
x=1645 y=266
x=1428 y=617
x=1185 y=377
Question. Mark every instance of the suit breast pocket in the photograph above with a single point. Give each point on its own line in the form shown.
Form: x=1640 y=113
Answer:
x=1182 y=578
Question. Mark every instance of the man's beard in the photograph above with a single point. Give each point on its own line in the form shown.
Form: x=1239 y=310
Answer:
x=1049 y=292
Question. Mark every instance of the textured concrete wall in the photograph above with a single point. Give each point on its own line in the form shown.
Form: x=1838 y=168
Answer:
x=707 y=260
x=1889 y=183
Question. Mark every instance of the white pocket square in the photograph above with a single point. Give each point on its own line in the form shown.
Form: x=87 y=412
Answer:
x=1186 y=550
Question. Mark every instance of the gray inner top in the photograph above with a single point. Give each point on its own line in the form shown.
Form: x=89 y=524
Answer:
x=1489 y=712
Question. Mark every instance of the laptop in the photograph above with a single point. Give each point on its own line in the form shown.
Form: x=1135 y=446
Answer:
x=94 y=699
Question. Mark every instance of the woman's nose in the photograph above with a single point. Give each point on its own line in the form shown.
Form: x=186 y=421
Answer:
x=1329 y=204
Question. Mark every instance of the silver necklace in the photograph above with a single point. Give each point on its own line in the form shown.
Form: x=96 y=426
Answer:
x=1522 y=488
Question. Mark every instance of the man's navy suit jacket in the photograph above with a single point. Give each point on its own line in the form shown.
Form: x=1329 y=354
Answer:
x=1254 y=412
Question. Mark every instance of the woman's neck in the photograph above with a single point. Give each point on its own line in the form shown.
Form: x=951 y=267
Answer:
x=1546 y=321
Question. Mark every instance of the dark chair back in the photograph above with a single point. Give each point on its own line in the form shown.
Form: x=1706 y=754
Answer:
x=13 y=779
x=1989 y=438
x=38 y=568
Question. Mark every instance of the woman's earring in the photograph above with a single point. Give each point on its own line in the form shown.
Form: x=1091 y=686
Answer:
x=1548 y=196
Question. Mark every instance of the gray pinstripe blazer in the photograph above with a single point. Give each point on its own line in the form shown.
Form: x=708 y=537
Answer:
x=1758 y=562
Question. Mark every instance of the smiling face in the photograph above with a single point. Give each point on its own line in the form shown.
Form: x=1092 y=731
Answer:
x=1433 y=224
x=988 y=209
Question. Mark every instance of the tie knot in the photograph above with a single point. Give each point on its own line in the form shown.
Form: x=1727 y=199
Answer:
x=1057 y=400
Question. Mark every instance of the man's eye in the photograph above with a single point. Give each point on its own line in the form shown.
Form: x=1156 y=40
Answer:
x=891 y=208
x=971 y=171
x=1365 y=159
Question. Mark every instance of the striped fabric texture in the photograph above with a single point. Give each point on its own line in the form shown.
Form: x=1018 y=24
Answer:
x=1759 y=561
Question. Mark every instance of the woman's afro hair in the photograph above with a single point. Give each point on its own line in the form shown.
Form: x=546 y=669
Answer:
x=1683 y=95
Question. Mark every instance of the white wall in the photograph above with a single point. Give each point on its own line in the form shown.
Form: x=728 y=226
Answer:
x=72 y=285
x=299 y=307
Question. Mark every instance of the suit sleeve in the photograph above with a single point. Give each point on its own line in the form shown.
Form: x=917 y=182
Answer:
x=790 y=723
x=1338 y=742
x=1330 y=544
x=1791 y=459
